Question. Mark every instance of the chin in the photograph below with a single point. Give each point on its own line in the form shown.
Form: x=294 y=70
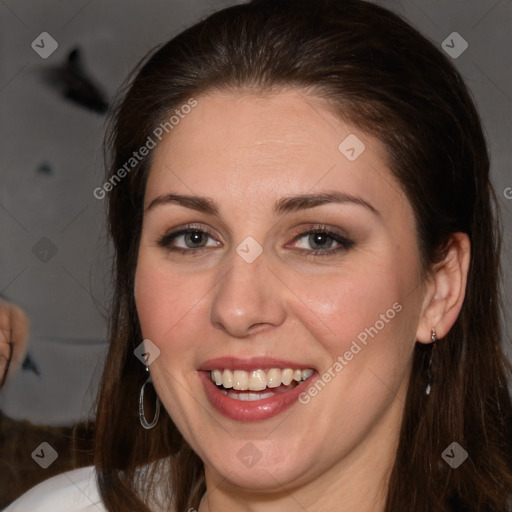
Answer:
x=260 y=470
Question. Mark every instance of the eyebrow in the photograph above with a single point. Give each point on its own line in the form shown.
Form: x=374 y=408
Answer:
x=282 y=206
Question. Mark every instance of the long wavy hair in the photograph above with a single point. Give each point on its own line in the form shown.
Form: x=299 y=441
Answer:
x=381 y=75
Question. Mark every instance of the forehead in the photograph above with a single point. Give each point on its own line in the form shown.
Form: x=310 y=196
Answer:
x=240 y=145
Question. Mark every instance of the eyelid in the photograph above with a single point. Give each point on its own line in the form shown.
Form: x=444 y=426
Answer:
x=174 y=233
x=343 y=241
x=320 y=228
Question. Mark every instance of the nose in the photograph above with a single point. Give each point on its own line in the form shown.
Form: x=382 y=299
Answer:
x=248 y=298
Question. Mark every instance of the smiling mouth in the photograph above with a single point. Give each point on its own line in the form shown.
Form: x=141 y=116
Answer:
x=257 y=384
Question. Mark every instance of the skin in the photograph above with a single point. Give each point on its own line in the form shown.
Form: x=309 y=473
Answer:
x=246 y=151
x=14 y=328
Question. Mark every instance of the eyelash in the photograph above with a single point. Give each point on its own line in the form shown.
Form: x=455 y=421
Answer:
x=344 y=243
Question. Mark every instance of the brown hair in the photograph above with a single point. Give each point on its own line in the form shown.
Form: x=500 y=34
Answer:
x=381 y=75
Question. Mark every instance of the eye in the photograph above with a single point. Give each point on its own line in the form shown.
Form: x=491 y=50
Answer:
x=321 y=241
x=187 y=240
x=317 y=241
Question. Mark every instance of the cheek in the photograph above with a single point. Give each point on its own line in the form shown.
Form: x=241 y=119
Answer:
x=172 y=310
x=367 y=316
x=351 y=306
x=366 y=328
x=162 y=300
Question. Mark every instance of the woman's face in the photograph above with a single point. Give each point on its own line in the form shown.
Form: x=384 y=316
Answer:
x=231 y=286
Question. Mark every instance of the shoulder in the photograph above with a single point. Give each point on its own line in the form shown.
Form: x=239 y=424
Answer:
x=73 y=491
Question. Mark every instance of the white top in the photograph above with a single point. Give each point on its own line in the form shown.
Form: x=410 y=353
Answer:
x=73 y=491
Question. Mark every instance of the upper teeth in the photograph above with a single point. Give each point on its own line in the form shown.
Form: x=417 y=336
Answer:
x=258 y=380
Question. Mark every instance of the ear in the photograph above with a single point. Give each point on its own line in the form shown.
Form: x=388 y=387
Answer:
x=445 y=290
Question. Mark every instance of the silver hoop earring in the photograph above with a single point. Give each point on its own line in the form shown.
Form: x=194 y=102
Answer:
x=145 y=424
x=433 y=337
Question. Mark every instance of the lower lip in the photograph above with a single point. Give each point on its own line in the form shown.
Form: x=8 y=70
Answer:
x=256 y=410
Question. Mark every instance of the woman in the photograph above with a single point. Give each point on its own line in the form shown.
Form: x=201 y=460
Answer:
x=306 y=248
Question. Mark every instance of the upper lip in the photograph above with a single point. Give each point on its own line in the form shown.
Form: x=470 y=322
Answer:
x=253 y=363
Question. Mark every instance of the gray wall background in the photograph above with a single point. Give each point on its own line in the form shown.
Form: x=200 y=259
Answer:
x=53 y=252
